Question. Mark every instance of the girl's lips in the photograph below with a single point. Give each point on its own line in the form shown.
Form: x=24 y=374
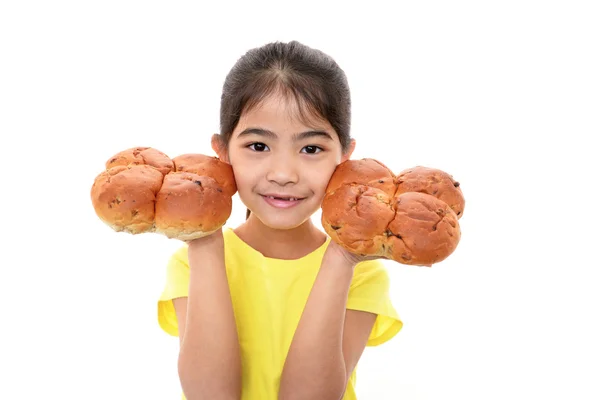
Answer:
x=281 y=203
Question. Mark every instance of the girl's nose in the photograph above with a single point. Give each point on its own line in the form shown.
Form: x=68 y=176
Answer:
x=282 y=171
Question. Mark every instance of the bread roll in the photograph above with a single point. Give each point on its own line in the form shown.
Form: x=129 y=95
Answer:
x=124 y=197
x=411 y=218
x=142 y=190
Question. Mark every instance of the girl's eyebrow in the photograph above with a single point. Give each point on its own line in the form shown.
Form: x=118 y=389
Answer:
x=296 y=138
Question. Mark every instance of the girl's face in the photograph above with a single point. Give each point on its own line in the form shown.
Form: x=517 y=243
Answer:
x=282 y=165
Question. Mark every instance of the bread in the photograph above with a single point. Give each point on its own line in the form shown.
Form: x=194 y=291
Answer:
x=143 y=190
x=411 y=217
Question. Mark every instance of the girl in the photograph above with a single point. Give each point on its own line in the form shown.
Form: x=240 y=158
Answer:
x=274 y=309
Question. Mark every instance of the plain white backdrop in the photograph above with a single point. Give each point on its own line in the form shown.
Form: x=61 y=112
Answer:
x=502 y=95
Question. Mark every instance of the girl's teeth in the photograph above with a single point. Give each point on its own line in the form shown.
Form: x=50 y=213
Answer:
x=290 y=199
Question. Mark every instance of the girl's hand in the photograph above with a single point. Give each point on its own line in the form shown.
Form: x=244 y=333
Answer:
x=208 y=246
x=351 y=258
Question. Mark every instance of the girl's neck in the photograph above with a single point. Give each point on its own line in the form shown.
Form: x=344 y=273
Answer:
x=286 y=244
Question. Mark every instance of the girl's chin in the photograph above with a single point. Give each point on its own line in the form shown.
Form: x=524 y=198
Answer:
x=283 y=219
x=282 y=222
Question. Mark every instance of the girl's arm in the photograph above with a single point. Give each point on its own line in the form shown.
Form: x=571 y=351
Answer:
x=329 y=339
x=209 y=363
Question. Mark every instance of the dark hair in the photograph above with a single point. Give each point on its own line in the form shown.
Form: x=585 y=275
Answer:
x=313 y=78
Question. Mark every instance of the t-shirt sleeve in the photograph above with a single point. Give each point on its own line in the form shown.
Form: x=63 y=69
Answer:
x=370 y=292
x=176 y=285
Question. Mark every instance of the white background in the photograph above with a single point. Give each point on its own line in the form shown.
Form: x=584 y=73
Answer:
x=502 y=95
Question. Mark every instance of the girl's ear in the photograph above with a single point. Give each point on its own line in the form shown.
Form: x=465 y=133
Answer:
x=219 y=147
x=346 y=156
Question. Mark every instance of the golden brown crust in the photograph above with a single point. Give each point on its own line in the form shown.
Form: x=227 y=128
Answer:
x=211 y=166
x=434 y=182
x=141 y=156
x=123 y=197
x=424 y=231
x=412 y=221
x=189 y=204
x=355 y=215
x=366 y=171
x=140 y=191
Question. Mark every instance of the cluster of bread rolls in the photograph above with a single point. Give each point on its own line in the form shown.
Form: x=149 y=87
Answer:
x=143 y=190
x=411 y=217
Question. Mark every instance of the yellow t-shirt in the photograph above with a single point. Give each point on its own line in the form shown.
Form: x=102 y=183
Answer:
x=268 y=297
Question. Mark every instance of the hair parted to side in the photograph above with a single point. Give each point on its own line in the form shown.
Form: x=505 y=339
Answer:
x=309 y=76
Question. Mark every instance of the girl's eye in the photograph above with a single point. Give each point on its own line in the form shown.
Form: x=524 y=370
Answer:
x=260 y=147
x=312 y=149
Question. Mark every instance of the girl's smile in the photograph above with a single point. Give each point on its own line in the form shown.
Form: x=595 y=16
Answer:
x=282 y=201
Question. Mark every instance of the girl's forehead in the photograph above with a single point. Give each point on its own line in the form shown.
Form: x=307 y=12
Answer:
x=278 y=109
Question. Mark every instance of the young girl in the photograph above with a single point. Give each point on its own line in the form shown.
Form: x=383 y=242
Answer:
x=274 y=309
